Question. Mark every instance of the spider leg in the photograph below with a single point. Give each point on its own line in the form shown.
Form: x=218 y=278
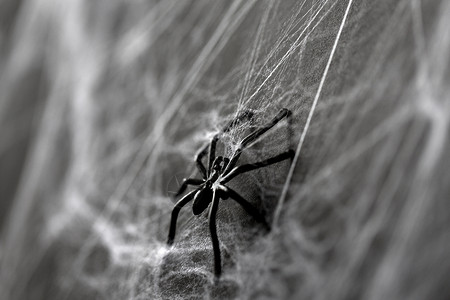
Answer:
x=213 y=232
x=211 y=147
x=198 y=161
x=283 y=113
x=212 y=152
x=249 y=167
x=176 y=210
x=186 y=182
x=247 y=206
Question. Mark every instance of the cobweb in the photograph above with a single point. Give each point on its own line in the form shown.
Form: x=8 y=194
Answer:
x=104 y=105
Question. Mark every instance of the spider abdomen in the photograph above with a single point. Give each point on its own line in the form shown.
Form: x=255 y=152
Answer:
x=201 y=200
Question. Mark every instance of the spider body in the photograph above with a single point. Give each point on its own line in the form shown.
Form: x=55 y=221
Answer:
x=212 y=187
x=205 y=195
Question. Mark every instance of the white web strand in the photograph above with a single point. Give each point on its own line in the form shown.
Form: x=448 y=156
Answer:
x=308 y=121
x=291 y=50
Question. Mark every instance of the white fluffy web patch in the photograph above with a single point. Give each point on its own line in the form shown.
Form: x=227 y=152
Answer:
x=105 y=104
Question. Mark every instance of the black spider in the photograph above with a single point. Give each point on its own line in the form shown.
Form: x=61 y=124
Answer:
x=221 y=170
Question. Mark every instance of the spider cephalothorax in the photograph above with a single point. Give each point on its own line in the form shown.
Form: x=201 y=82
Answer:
x=212 y=187
x=205 y=195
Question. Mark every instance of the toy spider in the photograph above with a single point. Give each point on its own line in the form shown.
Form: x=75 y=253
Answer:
x=221 y=170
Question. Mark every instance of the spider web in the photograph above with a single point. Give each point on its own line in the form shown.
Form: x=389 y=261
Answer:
x=105 y=104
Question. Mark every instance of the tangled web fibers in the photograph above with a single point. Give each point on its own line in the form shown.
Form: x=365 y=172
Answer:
x=105 y=103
